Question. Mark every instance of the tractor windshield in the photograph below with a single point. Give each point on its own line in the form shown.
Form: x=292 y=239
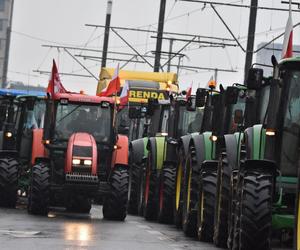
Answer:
x=291 y=124
x=92 y=119
x=189 y=121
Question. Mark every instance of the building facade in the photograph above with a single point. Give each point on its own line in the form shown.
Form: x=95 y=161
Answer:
x=6 y=13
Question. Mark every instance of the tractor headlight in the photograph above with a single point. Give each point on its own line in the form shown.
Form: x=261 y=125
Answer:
x=87 y=162
x=75 y=161
x=8 y=134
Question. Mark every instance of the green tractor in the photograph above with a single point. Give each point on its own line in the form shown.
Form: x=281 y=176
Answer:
x=160 y=170
x=22 y=123
x=266 y=182
x=255 y=97
x=197 y=170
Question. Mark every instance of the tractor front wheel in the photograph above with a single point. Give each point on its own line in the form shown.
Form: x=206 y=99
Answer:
x=134 y=185
x=115 y=204
x=39 y=190
x=206 y=205
x=254 y=211
x=223 y=199
x=190 y=195
x=166 y=194
x=9 y=168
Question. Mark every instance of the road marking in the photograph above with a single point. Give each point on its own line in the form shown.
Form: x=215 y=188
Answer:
x=21 y=234
x=154 y=232
x=133 y=222
x=144 y=226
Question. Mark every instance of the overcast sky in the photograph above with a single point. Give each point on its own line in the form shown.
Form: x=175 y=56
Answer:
x=62 y=22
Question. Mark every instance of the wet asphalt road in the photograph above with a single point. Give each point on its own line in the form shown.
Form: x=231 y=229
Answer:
x=59 y=230
x=18 y=230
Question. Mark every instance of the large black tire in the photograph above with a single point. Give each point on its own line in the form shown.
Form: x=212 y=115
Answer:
x=9 y=169
x=178 y=189
x=254 y=211
x=206 y=204
x=150 y=203
x=39 y=190
x=141 y=195
x=190 y=194
x=115 y=204
x=222 y=201
x=166 y=194
x=134 y=186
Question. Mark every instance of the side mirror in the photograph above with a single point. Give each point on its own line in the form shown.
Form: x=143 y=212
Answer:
x=238 y=116
x=200 y=97
x=191 y=104
x=231 y=95
x=255 y=78
x=152 y=105
x=135 y=112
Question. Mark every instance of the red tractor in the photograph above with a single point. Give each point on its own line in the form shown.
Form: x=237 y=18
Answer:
x=84 y=158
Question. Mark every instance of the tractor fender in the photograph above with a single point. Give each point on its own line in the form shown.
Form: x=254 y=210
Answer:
x=184 y=143
x=265 y=166
x=204 y=147
x=233 y=148
x=138 y=150
x=38 y=148
x=120 y=155
x=157 y=146
x=255 y=140
x=9 y=153
x=151 y=147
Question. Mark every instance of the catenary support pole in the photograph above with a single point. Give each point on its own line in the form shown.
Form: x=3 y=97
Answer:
x=106 y=33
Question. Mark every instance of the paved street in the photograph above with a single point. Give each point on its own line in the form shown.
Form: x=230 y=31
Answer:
x=18 y=230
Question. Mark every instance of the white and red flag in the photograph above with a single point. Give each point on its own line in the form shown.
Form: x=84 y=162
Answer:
x=124 y=94
x=287 y=47
x=189 y=91
x=113 y=86
x=55 y=86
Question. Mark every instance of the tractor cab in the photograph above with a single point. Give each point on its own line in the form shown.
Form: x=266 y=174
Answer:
x=84 y=159
x=21 y=124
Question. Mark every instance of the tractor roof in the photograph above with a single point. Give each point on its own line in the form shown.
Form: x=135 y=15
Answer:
x=83 y=98
x=19 y=92
x=289 y=60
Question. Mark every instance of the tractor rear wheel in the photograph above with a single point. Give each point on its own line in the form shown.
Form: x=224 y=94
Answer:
x=115 y=204
x=206 y=204
x=178 y=191
x=9 y=168
x=39 y=190
x=222 y=203
x=190 y=195
x=254 y=211
x=150 y=200
x=166 y=194
x=134 y=185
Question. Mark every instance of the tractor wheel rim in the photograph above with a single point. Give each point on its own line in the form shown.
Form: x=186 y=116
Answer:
x=147 y=185
x=189 y=189
x=298 y=223
x=161 y=196
x=178 y=185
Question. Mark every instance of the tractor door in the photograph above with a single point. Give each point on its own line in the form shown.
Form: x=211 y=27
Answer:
x=289 y=124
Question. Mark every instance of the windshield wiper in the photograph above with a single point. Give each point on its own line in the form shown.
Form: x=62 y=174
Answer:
x=69 y=113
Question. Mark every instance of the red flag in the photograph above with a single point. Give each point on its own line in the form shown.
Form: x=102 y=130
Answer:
x=287 y=47
x=189 y=91
x=113 y=86
x=55 y=86
x=124 y=94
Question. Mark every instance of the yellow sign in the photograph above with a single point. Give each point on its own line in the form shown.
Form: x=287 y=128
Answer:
x=144 y=95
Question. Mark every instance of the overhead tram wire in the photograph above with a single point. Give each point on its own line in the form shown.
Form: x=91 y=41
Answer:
x=237 y=5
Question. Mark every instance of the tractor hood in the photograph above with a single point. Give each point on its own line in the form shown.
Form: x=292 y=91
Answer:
x=81 y=154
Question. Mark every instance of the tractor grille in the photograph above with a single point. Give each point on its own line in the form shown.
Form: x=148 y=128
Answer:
x=82 y=178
